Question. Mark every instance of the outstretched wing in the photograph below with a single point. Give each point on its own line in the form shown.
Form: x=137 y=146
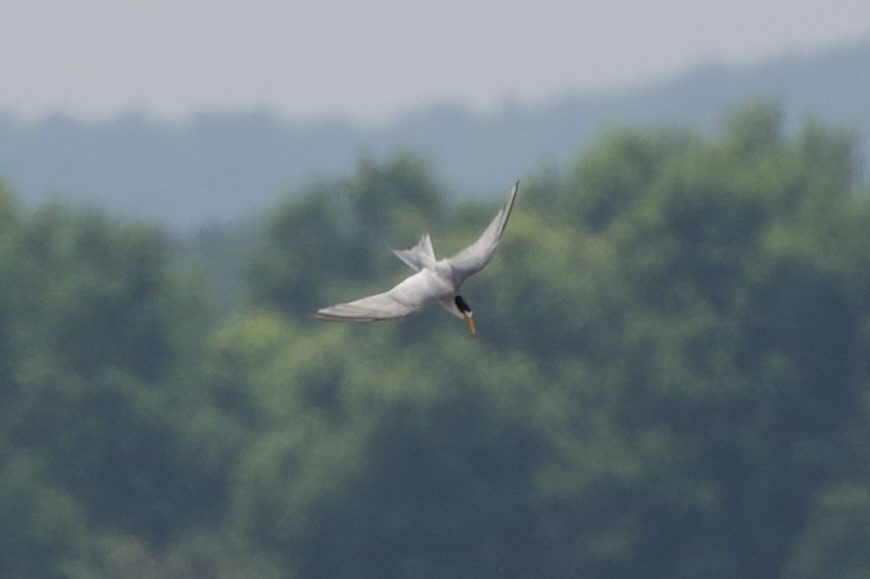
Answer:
x=420 y=256
x=376 y=307
x=474 y=258
x=405 y=299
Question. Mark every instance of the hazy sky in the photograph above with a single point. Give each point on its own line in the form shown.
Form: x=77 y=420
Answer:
x=372 y=60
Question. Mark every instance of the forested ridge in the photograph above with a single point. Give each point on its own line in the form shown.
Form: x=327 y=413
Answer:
x=219 y=165
x=671 y=377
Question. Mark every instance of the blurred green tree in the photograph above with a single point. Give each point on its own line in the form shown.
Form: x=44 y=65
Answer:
x=670 y=379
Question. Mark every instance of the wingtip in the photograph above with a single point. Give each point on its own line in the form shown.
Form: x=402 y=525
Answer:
x=326 y=315
x=516 y=188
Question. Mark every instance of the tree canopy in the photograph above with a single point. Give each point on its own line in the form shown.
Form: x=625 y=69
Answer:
x=671 y=378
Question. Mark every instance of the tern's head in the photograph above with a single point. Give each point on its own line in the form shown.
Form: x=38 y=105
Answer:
x=466 y=312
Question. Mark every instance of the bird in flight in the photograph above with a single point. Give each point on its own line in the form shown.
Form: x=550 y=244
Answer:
x=434 y=279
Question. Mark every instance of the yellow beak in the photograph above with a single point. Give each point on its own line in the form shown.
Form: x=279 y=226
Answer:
x=470 y=323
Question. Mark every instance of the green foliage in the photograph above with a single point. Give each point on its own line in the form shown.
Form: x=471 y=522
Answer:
x=835 y=539
x=99 y=327
x=42 y=528
x=670 y=379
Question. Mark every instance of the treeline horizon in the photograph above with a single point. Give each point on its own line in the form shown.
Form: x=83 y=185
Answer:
x=671 y=376
x=219 y=166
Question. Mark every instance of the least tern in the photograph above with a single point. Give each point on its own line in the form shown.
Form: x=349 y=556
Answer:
x=435 y=279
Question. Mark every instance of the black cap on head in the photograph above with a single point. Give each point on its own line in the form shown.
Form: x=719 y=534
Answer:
x=461 y=304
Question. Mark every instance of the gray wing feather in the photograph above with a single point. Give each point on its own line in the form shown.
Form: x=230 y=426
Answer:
x=376 y=307
x=474 y=258
x=406 y=298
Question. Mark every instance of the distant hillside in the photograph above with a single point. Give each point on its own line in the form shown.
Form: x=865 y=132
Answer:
x=221 y=167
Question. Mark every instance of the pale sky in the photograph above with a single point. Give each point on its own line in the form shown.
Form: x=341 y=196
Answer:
x=372 y=60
